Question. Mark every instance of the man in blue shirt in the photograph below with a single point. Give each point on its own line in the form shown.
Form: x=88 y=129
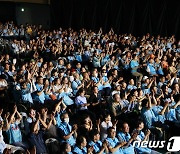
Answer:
x=124 y=136
x=114 y=145
x=134 y=65
x=66 y=132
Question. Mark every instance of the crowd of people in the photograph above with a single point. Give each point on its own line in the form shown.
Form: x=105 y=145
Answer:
x=67 y=91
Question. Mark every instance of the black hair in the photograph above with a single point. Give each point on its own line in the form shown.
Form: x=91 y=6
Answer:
x=80 y=140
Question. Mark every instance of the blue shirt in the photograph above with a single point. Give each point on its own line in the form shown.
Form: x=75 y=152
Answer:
x=14 y=133
x=125 y=138
x=65 y=129
x=113 y=143
x=40 y=98
x=152 y=69
x=148 y=117
x=133 y=65
x=105 y=79
x=97 y=146
x=142 y=150
x=74 y=85
x=77 y=150
x=96 y=80
x=157 y=110
x=26 y=94
x=131 y=87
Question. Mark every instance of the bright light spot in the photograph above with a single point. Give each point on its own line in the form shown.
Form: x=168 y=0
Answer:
x=22 y=9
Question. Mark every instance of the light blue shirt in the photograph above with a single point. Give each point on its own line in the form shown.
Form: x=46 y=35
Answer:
x=65 y=129
x=14 y=133
x=40 y=98
x=77 y=150
x=113 y=143
x=142 y=150
x=133 y=65
x=125 y=138
x=157 y=110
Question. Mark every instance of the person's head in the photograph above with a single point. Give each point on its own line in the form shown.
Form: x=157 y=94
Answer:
x=125 y=127
x=162 y=79
x=95 y=89
x=123 y=85
x=23 y=85
x=140 y=125
x=176 y=86
x=111 y=132
x=83 y=70
x=65 y=117
x=146 y=79
x=86 y=119
x=115 y=72
x=43 y=110
x=65 y=80
x=151 y=61
x=46 y=82
x=131 y=81
x=81 y=92
x=118 y=87
x=107 y=118
x=61 y=62
x=104 y=73
x=85 y=75
x=57 y=81
x=76 y=76
x=95 y=74
x=134 y=56
x=66 y=147
x=78 y=65
x=81 y=142
x=165 y=88
x=134 y=92
x=117 y=97
x=40 y=80
x=32 y=113
x=144 y=103
x=94 y=135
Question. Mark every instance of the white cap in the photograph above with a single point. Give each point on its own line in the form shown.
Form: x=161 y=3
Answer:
x=144 y=78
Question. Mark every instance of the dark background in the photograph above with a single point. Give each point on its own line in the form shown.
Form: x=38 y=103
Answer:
x=125 y=16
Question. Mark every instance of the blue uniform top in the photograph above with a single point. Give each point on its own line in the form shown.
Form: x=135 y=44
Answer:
x=77 y=150
x=65 y=129
x=113 y=143
x=142 y=150
x=125 y=138
x=148 y=117
x=97 y=146
x=14 y=133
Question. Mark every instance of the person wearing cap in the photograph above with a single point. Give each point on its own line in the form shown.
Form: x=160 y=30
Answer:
x=116 y=90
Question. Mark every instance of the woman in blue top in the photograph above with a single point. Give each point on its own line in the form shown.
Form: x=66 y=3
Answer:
x=98 y=146
x=81 y=146
x=142 y=137
x=13 y=131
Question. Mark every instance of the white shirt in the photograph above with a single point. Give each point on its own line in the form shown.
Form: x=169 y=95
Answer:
x=104 y=126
